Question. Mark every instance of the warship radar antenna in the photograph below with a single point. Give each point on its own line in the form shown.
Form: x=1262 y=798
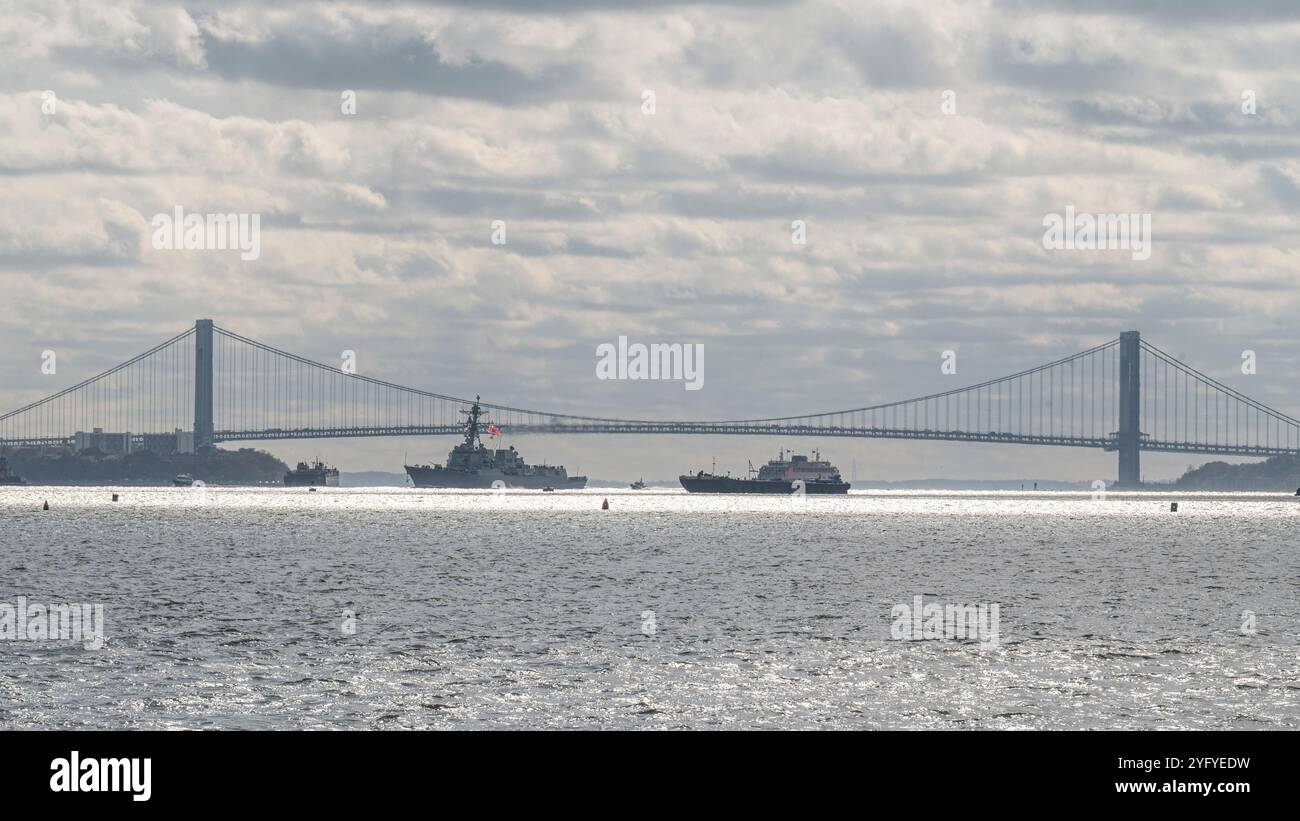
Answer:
x=474 y=415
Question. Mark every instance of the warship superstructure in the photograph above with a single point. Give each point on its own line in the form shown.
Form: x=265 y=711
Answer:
x=471 y=464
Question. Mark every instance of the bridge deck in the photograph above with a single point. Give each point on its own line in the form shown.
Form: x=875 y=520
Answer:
x=1124 y=395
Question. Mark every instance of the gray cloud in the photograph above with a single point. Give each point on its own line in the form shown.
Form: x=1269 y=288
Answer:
x=924 y=228
x=410 y=64
x=1170 y=12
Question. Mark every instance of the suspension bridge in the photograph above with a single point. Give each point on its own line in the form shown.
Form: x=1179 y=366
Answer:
x=213 y=385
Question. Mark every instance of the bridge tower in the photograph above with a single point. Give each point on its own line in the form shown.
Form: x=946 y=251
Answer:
x=202 y=384
x=1130 y=408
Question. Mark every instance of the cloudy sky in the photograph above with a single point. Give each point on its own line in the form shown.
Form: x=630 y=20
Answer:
x=924 y=228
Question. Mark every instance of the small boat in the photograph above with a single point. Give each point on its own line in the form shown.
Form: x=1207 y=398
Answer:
x=183 y=480
x=639 y=484
x=548 y=490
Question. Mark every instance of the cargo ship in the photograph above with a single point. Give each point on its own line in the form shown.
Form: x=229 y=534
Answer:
x=779 y=475
x=8 y=477
x=313 y=475
x=471 y=464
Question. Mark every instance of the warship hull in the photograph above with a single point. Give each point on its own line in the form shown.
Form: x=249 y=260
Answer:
x=727 y=484
x=441 y=477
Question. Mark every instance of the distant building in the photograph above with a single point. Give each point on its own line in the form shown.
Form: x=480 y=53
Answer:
x=112 y=443
x=178 y=441
x=160 y=443
x=120 y=444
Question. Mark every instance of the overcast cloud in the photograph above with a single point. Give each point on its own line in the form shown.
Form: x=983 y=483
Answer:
x=924 y=228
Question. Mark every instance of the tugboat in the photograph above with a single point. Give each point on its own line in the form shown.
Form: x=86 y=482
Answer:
x=639 y=484
x=183 y=480
x=313 y=475
x=471 y=464
x=8 y=477
x=777 y=476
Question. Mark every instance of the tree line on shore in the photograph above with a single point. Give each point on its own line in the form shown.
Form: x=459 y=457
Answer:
x=63 y=466
x=1274 y=474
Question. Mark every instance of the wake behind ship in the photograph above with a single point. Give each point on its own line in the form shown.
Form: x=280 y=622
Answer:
x=473 y=465
x=777 y=476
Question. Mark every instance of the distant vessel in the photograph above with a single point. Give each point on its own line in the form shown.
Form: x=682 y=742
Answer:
x=777 y=476
x=313 y=475
x=639 y=484
x=8 y=477
x=183 y=480
x=471 y=464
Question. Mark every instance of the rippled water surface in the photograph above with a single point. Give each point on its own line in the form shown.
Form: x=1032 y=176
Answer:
x=228 y=608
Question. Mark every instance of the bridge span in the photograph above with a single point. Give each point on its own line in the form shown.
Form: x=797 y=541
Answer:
x=214 y=385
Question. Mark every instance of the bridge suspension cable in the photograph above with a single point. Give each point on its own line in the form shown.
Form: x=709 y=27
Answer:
x=151 y=393
x=1123 y=395
x=1185 y=411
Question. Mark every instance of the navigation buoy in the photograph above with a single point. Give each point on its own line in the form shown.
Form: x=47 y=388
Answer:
x=47 y=505
x=604 y=505
x=114 y=497
x=1173 y=507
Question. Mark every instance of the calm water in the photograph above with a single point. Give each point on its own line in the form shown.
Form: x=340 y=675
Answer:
x=228 y=608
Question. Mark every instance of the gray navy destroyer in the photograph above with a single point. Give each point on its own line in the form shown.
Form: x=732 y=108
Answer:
x=471 y=464
x=777 y=476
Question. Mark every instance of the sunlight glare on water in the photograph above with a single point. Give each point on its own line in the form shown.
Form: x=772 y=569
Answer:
x=398 y=607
